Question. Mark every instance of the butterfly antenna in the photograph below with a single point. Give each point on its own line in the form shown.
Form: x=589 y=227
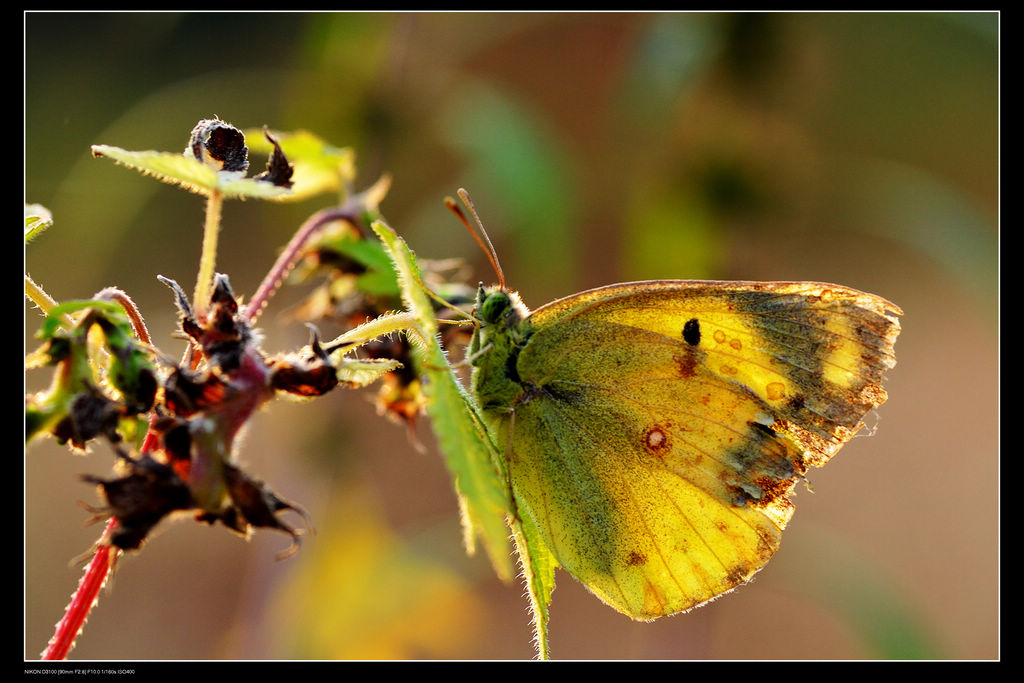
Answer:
x=481 y=235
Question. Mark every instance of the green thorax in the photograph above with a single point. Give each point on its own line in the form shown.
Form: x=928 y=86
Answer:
x=503 y=330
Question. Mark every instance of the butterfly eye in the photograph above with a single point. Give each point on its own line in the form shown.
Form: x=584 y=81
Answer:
x=494 y=306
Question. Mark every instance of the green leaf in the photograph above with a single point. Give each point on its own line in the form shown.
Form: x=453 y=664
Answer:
x=37 y=219
x=190 y=174
x=55 y=318
x=538 y=565
x=379 y=278
x=471 y=458
x=362 y=372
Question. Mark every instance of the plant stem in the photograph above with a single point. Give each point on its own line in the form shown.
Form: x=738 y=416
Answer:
x=38 y=295
x=83 y=600
x=286 y=261
x=96 y=574
x=138 y=324
x=44 y=301
x=208 y=258
x=87 y=594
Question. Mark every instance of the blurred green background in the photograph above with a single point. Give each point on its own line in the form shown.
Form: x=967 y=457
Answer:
x=853 y=148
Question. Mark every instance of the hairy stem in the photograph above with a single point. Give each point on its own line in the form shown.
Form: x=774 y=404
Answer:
x=286 y=261
x=138 y=324
x=87 y=595
x=96 y=574
x=38 y=295
x=44 y=301
x=208 y=258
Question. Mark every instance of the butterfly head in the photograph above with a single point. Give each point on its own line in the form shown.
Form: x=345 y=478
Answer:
x=498 y=306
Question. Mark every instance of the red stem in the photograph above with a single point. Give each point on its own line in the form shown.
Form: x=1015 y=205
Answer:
x=83 y=600
x=102 y=563
x=138 y=324
x=286 y=261
x=96 y=574
x=87 y=595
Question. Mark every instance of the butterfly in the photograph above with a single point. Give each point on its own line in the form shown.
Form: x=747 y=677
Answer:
x=653 y=432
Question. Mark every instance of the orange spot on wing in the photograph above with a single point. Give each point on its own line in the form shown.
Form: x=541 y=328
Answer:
x=656 y=440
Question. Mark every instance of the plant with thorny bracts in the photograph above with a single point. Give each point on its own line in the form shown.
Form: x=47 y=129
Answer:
x=173 y=425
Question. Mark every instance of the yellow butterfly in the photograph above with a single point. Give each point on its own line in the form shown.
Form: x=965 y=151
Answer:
x=653 y=431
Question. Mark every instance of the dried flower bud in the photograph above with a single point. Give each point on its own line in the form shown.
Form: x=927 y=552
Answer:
x=218 y=145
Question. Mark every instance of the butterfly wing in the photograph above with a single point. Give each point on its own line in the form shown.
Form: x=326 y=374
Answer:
x=663 y=425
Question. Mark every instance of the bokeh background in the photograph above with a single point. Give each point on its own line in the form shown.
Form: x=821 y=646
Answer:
x=854 y=148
